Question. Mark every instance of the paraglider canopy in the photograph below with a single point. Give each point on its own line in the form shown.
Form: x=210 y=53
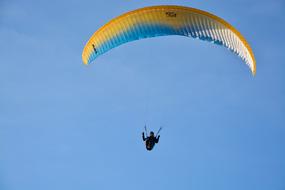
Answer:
x=167 y=20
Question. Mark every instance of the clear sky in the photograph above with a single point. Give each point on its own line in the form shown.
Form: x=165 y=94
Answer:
x=64 y=125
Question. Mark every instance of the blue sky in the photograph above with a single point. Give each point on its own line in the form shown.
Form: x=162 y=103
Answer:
x=64 y=125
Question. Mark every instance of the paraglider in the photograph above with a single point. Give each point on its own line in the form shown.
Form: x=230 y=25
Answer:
x=151 y=140
x=167 y=20
x=162 y=21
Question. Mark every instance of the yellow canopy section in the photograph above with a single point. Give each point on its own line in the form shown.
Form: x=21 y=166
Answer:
x=167 y=20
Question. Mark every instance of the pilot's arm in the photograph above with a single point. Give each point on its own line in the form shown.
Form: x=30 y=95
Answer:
x=157 y=139
x=143 y=136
